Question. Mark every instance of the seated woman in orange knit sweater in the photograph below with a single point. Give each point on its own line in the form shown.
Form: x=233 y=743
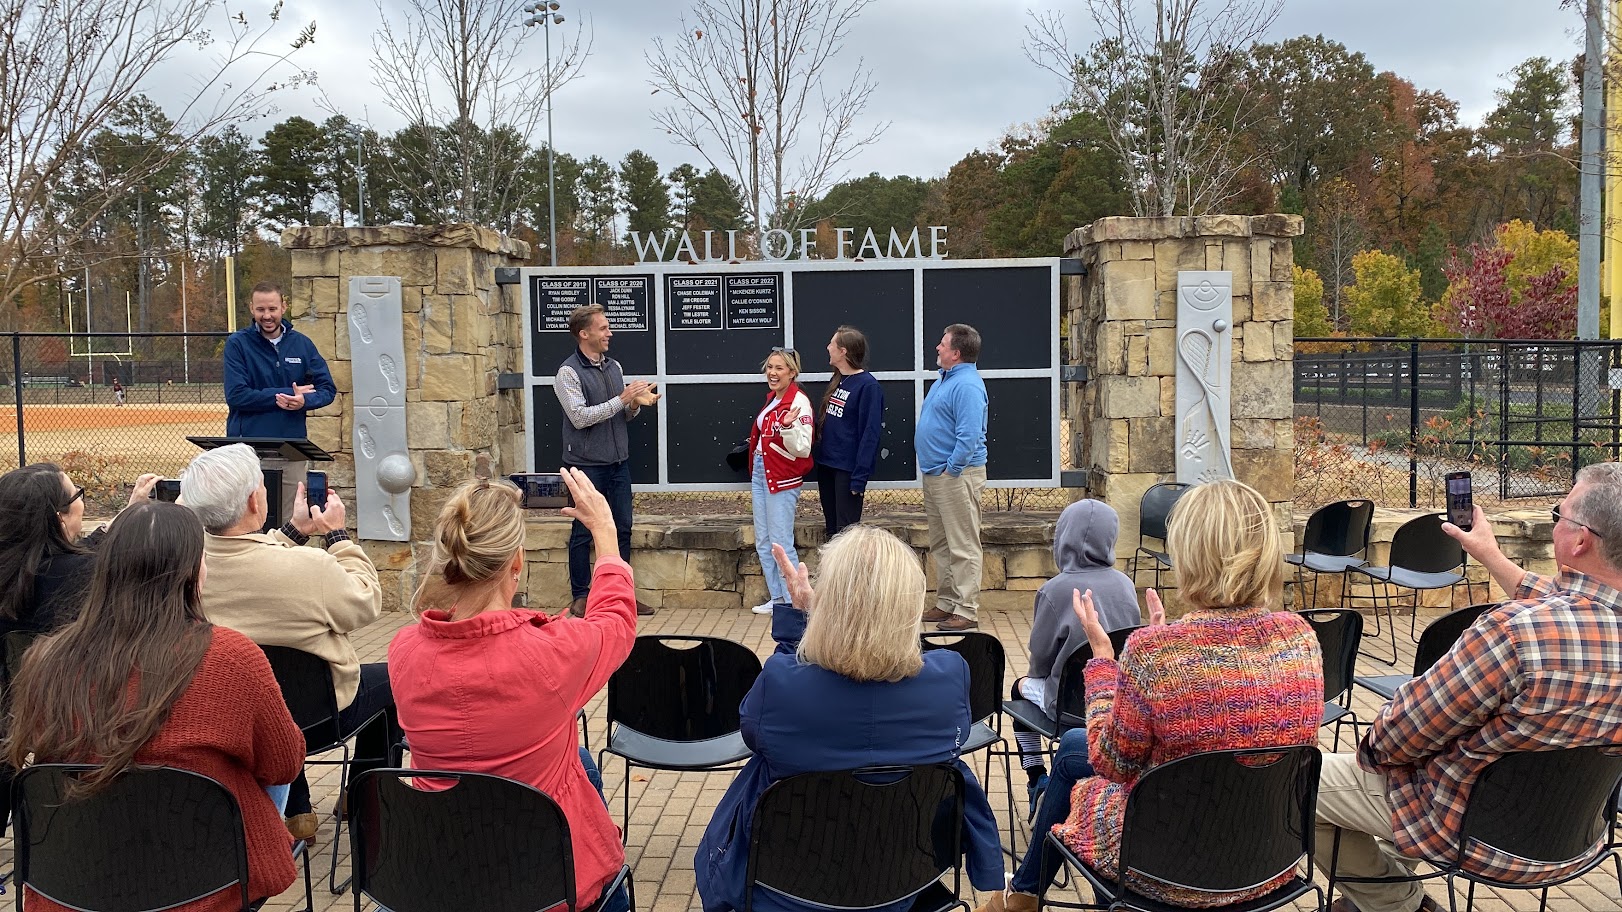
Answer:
x=1230 y=674
x=207 y=701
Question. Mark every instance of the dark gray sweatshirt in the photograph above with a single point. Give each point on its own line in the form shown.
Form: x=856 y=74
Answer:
x=1084 y=551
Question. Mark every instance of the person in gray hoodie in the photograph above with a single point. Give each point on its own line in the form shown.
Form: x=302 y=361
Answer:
x=1084 y=552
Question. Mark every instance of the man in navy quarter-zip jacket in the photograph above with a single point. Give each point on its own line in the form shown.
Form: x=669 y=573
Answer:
x=273 y=375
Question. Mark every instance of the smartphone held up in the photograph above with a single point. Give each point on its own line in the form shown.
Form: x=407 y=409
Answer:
x=543 y=490
x=315 y=490
x=1461 y=504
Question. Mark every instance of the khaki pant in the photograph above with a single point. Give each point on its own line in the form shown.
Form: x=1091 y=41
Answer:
x=952 y=507
x=1354 y=800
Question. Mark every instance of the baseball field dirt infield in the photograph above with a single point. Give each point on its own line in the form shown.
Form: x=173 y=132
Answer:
x=110 y=442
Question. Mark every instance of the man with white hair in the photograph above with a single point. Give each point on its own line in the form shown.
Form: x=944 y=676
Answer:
x=1538 y=672
x=275 y=591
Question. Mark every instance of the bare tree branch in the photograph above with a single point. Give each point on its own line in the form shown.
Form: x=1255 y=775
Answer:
x=747 y=80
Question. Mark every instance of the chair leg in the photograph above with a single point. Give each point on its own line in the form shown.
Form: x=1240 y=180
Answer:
x=309 y=889
x=339 y=817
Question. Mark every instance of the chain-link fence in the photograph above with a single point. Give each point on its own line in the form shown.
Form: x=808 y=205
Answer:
x=108 y=407
x=1389 y=418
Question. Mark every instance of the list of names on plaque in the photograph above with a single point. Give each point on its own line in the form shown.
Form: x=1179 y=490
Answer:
x=693 y=302
x=557 y=296
x=754 y=301
x=625 y=302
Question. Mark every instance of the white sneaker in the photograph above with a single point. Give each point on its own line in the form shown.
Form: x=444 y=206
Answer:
x=762 y=609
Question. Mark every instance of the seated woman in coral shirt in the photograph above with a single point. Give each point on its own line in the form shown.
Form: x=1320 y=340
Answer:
x=483 y=687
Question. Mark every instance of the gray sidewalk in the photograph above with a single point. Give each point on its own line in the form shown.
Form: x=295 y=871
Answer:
x=670 y=810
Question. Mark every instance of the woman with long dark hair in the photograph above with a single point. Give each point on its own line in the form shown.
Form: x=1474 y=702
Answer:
x=44 y=563
x=849 y=425
x=141 y=678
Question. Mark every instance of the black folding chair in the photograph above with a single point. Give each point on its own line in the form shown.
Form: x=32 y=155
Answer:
x=151 y=839
x=306 y=684
x=1339 y=632
x=677 y=709
x=1153 y=512
x=1218 y=822
x=881 y=835
x=1336 y=539
x=479 y=842
x=1423 y=557
x=1434 y=642
x=1071 y=703
x=1547 y=807
x=986 y=660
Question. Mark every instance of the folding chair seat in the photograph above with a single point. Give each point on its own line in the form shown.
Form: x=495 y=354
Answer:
x=1153 y=512
x=1423 y=557
x=1336 y=540
x=1434 y=642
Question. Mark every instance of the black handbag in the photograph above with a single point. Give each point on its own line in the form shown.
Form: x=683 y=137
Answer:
x=738 y=459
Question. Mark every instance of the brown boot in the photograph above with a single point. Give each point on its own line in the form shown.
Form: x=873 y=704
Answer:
x=935 y=616
x=577 y=608
x=1009 y=901
x=303 y=826
x=957 y=622
x=644 y=609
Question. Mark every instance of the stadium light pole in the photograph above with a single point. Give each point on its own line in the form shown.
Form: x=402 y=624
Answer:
x=545 y=14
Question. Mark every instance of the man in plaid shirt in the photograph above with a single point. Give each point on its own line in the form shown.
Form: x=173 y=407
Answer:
x=1537 y=673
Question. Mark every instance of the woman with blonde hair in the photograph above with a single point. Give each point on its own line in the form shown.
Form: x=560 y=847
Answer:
x=780 y=452
x=848 y=687
x=487 y=688
x=1233 y=673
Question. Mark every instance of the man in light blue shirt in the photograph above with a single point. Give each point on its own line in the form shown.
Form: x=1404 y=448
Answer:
x=951 y=445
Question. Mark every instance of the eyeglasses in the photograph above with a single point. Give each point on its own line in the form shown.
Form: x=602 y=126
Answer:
x=1555 y=512
x=78 y=492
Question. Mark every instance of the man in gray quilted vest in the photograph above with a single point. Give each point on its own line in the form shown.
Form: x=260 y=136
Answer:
x=597 y=403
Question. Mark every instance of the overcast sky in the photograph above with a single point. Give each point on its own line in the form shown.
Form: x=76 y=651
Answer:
x=951 y=74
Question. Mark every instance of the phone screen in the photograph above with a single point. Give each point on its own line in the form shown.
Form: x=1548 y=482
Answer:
x=315 y=489
x=543 y=490
x=1461 y=506
x=167 y=490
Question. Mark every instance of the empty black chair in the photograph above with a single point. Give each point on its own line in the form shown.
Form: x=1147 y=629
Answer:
x=1339 y=633
x=1336 y=539
x=879 y=835
x=986 y=660
x=677 y=709
x=479 y=842
x=306 y=684
x=1548 y=807
x=1153 y=511
x=1434 y=642
x=151 y=839
x=1219 y=822
x=1422 y=557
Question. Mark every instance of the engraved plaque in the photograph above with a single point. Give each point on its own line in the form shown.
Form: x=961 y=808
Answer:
x=1204 y=375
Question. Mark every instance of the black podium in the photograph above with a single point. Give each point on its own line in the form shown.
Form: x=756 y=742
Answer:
x=292 y=450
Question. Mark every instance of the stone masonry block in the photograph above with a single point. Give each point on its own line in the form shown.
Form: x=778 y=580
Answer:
x=663 y=570
x=448 y=378
x=1129 y=289
x=1257 y=341
x=1263 y=390
x=309 y=263
x=428 y=422
x=1236 y=259
x=1109 y=443
x=1271 y=472
x=455 y=271
x=1284 y=340
x=1174 y=256
x=1153 y=444
x=1283 y=260
x=1273 y=301
x=1129 y=397
x=1163 y=351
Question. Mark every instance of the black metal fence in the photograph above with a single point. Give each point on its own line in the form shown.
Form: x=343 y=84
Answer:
x=1388 y=418
x=109 y=407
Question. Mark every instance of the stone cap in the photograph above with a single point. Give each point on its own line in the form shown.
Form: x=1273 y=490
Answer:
x=477 y=237
x=1125 y=228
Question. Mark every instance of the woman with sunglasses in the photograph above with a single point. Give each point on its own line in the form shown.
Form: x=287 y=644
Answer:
x=780 y=453
x=44 y=562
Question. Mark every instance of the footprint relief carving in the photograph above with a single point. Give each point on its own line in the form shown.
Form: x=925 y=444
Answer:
x=390 y=517
x=363 y=323
x=391 y=373
x=368 y=446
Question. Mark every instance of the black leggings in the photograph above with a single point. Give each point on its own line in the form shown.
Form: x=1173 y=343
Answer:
x=840 y=508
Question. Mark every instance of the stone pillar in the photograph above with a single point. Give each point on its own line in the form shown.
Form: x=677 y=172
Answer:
x=1121 y=319
x=461 y=331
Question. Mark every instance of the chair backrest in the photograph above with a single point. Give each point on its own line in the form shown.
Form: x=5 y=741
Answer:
x=1339 y=529
x=1071 y=704
x=483 y=842
x=1224 y=820
x=855 y=839
x=1420 y=545
x=1155 y=508
x=1340 y=632
x=306 y=683
x=1545 y=806
x=688 y=694
x=1440 y=635
x=986 y=659
x=151 y=839
x=16 y=643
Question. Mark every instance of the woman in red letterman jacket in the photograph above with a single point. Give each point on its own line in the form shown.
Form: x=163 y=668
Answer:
x=780 y=452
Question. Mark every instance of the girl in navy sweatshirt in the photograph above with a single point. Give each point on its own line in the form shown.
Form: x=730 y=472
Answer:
x=848 y=429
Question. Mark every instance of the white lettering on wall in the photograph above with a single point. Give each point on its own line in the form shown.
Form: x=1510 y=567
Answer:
x=779 y=244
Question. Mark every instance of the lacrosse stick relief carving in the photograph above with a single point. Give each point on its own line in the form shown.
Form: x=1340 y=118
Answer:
x=1204 y=373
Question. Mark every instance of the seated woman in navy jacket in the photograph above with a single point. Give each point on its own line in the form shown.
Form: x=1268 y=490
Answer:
x=848 y=687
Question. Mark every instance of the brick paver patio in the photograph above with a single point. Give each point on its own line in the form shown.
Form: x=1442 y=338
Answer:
x=670 y=810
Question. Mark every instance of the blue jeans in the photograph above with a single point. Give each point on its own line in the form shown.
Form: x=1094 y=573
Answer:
x=1069 y=767
x=620 y=900
x=614 y=483
x=774 y=524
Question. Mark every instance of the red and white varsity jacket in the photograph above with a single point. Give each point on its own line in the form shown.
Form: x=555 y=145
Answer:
x=786 y=451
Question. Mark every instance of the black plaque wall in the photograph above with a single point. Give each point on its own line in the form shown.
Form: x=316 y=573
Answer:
x=721 y=323
x=877 y=302
x=1011 y=306
x=643 y=437
x=628 y=301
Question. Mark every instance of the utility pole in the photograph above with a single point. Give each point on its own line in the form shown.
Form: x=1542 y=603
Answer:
x=1591 y=219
